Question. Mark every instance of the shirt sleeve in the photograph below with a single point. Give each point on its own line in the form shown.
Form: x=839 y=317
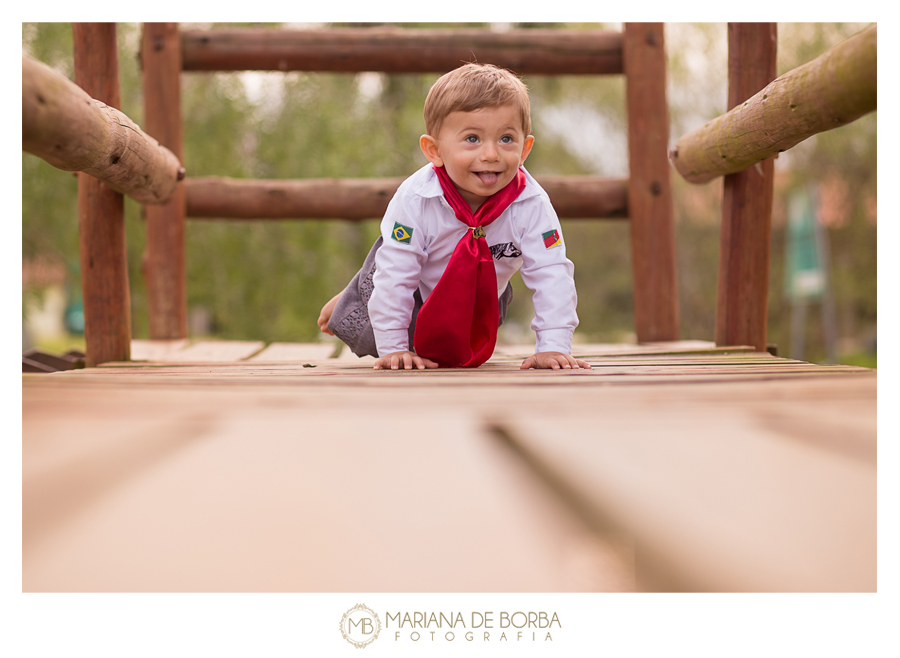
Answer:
x=398 y=266
x=547 y=272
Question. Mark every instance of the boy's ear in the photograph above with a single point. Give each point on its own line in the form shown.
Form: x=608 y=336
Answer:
x=429 y=147
x=529 y=142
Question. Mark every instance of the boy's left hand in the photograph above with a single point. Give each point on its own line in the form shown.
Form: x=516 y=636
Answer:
x=553 y=360
x=403 y=360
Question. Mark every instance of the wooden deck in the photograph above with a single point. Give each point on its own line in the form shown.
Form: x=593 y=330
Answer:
x=243 y=467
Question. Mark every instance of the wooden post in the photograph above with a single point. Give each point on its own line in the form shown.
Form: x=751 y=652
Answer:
x=649 y=190
x=745 y=242
x=101 y=213
x=163 y=265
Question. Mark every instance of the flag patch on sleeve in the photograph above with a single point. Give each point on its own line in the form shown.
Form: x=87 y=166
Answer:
x=401 y=233
x=551 y=239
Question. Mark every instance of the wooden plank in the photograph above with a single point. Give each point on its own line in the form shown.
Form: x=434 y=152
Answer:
x=650 y=206
x=198 y=371
x=609 y=349
x=726 y=505
x=367 y=198
x=347 y=356
x=151 y=354
x=111 y=502
x=509 y=388
x=630 y=368
x=745 y=237
x=833 y=90
x=288 y=360
x=30 y=365
x=216 y=350
x=658 y=349
x=287 y=353
x=163 y=266
x=101 y=212
x=679 y=345
x=508 y=368
x=297 y=352
x=232 y=495
x=55 y=362
x=155 y=350
x=403 y=50
x=353 y=371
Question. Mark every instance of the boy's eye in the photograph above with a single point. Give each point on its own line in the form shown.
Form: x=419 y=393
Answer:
x=506 y=139
x=472 y=139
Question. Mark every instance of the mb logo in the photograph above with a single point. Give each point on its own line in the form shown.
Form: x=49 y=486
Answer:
x=360 y=626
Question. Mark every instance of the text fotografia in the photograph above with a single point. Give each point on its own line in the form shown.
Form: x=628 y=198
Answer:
x=479 y=626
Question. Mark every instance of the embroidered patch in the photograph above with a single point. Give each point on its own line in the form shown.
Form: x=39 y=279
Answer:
x=505 y=250
x=551 y=239
x=401 y=233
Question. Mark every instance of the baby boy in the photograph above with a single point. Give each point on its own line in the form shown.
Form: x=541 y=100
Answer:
x=436 y=284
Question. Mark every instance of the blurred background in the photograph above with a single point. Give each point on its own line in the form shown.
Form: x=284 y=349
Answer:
x=268 y=280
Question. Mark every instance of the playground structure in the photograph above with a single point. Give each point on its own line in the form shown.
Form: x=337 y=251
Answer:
x=644 y=200
x=833 y=90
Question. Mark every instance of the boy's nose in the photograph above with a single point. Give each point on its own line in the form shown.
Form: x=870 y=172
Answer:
x=489 y=152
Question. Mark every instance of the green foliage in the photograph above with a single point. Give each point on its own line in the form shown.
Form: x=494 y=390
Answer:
x=268 y=280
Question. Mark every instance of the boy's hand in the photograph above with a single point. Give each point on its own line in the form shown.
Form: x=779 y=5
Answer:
x=404 y=360
x=554 y=360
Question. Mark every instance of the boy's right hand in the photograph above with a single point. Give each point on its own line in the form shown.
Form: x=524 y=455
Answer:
x=404 y=360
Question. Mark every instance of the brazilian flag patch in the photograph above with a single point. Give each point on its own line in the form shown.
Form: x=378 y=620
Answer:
x=551 y=239
x=401 y=233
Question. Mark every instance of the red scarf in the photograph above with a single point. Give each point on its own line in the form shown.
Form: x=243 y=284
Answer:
x=457 y=325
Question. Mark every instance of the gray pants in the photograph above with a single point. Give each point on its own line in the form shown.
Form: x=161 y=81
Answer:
x=350 y=319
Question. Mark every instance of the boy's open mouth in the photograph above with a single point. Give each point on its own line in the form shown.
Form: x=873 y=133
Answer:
x=488 y=177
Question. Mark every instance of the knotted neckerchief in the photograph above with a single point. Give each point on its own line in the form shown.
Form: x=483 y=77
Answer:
x=457 y=325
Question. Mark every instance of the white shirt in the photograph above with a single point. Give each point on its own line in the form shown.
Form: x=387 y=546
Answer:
x=432 y=231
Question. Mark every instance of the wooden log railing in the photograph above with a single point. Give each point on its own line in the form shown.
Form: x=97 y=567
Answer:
x=832 y=90
x=65 y=126
x=358 y=199
x=402 y=50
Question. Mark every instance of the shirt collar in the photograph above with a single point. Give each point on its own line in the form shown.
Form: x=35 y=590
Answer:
x=431 y=185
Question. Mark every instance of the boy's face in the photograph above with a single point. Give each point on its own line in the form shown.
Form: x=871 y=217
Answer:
x=481 y=150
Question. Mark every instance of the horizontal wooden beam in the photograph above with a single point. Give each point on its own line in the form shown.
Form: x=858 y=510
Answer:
x=367 y=198
x=587 y=197
x=402 y=50
x=63 y=125
x=833 y=90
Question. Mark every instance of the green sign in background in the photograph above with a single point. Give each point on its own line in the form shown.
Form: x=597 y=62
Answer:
x=804 y=274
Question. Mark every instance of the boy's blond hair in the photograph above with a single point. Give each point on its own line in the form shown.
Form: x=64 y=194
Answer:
x=472 y=87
